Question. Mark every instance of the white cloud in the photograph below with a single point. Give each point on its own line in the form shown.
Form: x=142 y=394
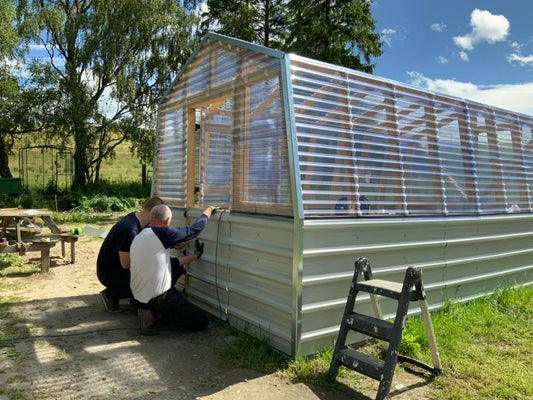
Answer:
x=464 y=42
x=15 y=67
x=510 y=97
x=37 y=47
x=518 y=56
x=486 y=27
x=442 y=60
x=388 y=34
x=516 y=46
x=438 y=27
x=522 y=60
x=464 y=56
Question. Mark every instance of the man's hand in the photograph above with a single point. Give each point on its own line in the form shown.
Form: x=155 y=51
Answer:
x=210 y=210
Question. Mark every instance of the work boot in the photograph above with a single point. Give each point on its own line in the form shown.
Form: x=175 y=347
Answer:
x=111 y=305
x=147 y=322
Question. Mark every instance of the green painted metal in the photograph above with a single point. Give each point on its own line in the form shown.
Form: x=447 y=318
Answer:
x=10 y=186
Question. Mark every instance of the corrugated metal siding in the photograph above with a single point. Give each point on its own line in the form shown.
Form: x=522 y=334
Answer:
x=252 y=267
x=461 y=258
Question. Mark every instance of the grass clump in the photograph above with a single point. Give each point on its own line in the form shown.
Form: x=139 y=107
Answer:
x=484 y=346
x=246 y=351
x=11 y=264
x=11 y=324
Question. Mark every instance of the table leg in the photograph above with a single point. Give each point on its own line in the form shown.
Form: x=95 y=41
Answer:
x=73 y=252
x=45 y=259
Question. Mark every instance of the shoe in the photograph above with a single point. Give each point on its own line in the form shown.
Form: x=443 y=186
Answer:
x=198 y=248
x=111 y=305
x=147 y=322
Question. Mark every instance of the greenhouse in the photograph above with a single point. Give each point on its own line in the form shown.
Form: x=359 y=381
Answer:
x=315 y=165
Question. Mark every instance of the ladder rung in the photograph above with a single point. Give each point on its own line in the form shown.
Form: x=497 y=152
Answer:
x=375 y=327
x=381 y=287
x=363 y=363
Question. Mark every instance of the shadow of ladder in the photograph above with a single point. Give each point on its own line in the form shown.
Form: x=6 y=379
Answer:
x=412 y=289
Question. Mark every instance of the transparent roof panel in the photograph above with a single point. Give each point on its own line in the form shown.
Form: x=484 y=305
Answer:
x=372 y=147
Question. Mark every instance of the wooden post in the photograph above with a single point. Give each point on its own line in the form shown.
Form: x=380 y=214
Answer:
x=73 y=252
x=45 y=259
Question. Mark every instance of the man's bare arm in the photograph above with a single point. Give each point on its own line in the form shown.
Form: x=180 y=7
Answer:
x=124 y=259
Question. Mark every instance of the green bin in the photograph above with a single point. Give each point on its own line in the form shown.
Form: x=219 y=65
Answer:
x=10 y=186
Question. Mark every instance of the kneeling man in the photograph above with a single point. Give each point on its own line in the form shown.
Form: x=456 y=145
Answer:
x=151 y=273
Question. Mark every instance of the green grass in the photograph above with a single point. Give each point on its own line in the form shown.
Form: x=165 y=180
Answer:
x=245 y=351
x=486 y=347
x=12 y=325
x=11 y=264
x=122 y=165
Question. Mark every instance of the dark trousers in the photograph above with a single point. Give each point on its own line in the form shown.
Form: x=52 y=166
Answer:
x=117 y=282
x=173 y=309
x=177 y=270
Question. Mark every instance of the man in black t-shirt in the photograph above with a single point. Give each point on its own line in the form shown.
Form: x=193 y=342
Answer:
x=113 y=263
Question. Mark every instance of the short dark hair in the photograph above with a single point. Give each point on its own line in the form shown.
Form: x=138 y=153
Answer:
x=152 y=202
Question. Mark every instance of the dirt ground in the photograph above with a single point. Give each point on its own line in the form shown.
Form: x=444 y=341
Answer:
x=105 y=357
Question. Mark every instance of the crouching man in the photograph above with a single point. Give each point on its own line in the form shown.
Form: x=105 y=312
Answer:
x=152 y=282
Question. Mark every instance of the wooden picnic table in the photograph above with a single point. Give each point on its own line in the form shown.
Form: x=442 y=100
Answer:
x=21 y=236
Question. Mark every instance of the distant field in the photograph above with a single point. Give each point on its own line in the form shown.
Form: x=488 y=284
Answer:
x=123 y=168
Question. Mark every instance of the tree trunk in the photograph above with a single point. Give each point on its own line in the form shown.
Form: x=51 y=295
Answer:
x=5 y=172
x=144 y=178
x=80 y=170
x=81 y=164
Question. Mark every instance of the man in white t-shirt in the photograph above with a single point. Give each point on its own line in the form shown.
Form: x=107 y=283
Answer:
x=151 y=273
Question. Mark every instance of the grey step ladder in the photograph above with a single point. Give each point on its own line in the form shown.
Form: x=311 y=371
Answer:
x=392 y=332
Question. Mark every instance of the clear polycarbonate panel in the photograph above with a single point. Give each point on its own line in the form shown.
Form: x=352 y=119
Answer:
x=372 y=147
x=198 y=76
x=527 y=146
x=170 y=165
x=266 y=171
x=232 y=106
x=216 y=158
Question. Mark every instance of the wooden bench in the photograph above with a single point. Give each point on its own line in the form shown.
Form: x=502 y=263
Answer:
x=29 y=237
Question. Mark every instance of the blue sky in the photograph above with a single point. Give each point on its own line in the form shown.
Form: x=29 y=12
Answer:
x=480 y=50
x=476 y=49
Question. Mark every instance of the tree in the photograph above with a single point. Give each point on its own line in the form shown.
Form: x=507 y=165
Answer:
x=8 y=91
x=8 y=85
x=26 y=106
x=262 y=21
x=336 y=31
x=114 y=59
x=8 y=35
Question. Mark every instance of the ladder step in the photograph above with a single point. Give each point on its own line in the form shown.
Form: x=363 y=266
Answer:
x=363 y=363
x=375 y=327
x=381 y=288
